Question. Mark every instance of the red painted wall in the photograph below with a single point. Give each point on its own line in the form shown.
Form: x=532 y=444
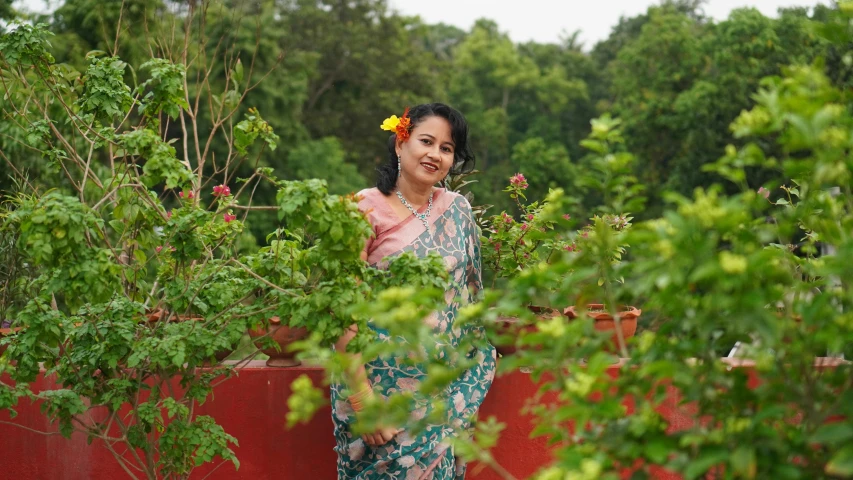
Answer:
x=252 y=406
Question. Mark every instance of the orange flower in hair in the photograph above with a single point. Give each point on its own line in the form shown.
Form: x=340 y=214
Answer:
x=400 y=126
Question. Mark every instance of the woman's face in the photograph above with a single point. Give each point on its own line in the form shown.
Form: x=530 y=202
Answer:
x=427 y=156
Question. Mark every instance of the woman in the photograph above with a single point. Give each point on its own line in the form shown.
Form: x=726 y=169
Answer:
x=410 y=214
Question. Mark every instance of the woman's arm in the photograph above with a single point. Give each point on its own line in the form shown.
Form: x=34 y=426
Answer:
x=357 y=376
x=473 y=269
x=360 y=386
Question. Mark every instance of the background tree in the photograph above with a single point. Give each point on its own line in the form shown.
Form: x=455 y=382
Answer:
x=366 y=66
x=339 y=68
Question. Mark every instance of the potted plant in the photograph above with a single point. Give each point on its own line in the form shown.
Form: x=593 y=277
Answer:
x=515 y=245
x=604 y=321
x=138 y=265
x=140 y=271
x=284 y=337
x=540 y=232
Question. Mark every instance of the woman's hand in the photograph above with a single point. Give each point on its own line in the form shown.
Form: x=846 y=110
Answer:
x=381 y=436
x=358 y=400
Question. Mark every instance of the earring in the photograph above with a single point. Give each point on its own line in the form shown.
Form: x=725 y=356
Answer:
x=399 y=168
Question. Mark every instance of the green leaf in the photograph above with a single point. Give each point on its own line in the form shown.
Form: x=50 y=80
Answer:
x=743 y=461
x=704 y=463
x=140 y=256
x=841 y=463
x=336 y=232
x=238 y=72
x=833 y=433
x=657 y=451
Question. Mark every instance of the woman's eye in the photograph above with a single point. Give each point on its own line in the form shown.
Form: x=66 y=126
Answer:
x=447 y=150
x=425 y=141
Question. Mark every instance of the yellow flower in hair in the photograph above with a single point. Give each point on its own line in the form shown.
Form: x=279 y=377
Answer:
x=391 y=123
x=400 y=126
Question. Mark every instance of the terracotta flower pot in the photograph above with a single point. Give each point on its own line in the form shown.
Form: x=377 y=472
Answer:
x=161 y=314
x=223 y=354
x=543 y=312
x=154 y=316
x=5 y=332
x=508 y=326
x=604 y=322
x=284 y=336
x=218 y=357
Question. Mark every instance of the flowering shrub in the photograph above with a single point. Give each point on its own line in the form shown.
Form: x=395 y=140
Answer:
x=714 y=271
x=221 y=191
x=511 y=245
x=139 y=275
x=541 y=234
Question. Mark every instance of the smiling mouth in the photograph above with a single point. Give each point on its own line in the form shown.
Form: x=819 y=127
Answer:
x=430 y=167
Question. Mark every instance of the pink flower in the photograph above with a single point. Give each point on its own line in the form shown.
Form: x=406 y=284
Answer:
x=159 y=248
x=498 y=247
x=169 y=214
x=567 y=216
x=571 y=248
x=585 y=234
x=518 y=180
x=228 y=218
x=507 y=218
x=221 y=191
x=189 y=194
x=524 y=227
x=529 y=217
x=521 y=242
x=764 y=192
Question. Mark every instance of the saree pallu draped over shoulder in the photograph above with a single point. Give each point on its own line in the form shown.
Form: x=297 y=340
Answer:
x=453 y=235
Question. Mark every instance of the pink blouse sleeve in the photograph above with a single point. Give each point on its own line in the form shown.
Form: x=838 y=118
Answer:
x=367 y=205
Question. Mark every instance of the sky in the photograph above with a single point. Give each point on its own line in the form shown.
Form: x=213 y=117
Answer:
x=546 y=20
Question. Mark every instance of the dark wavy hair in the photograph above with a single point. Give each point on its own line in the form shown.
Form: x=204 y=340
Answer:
x=463 y=156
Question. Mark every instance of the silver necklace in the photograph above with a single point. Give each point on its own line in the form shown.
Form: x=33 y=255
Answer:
x=420 y=216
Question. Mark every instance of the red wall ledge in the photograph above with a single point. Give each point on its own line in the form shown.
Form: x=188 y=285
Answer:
x=252 y=406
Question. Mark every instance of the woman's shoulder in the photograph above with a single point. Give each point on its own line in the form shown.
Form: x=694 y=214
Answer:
x=372 y=203
x=368 y=192
x=457 y=199
x=369 y=196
